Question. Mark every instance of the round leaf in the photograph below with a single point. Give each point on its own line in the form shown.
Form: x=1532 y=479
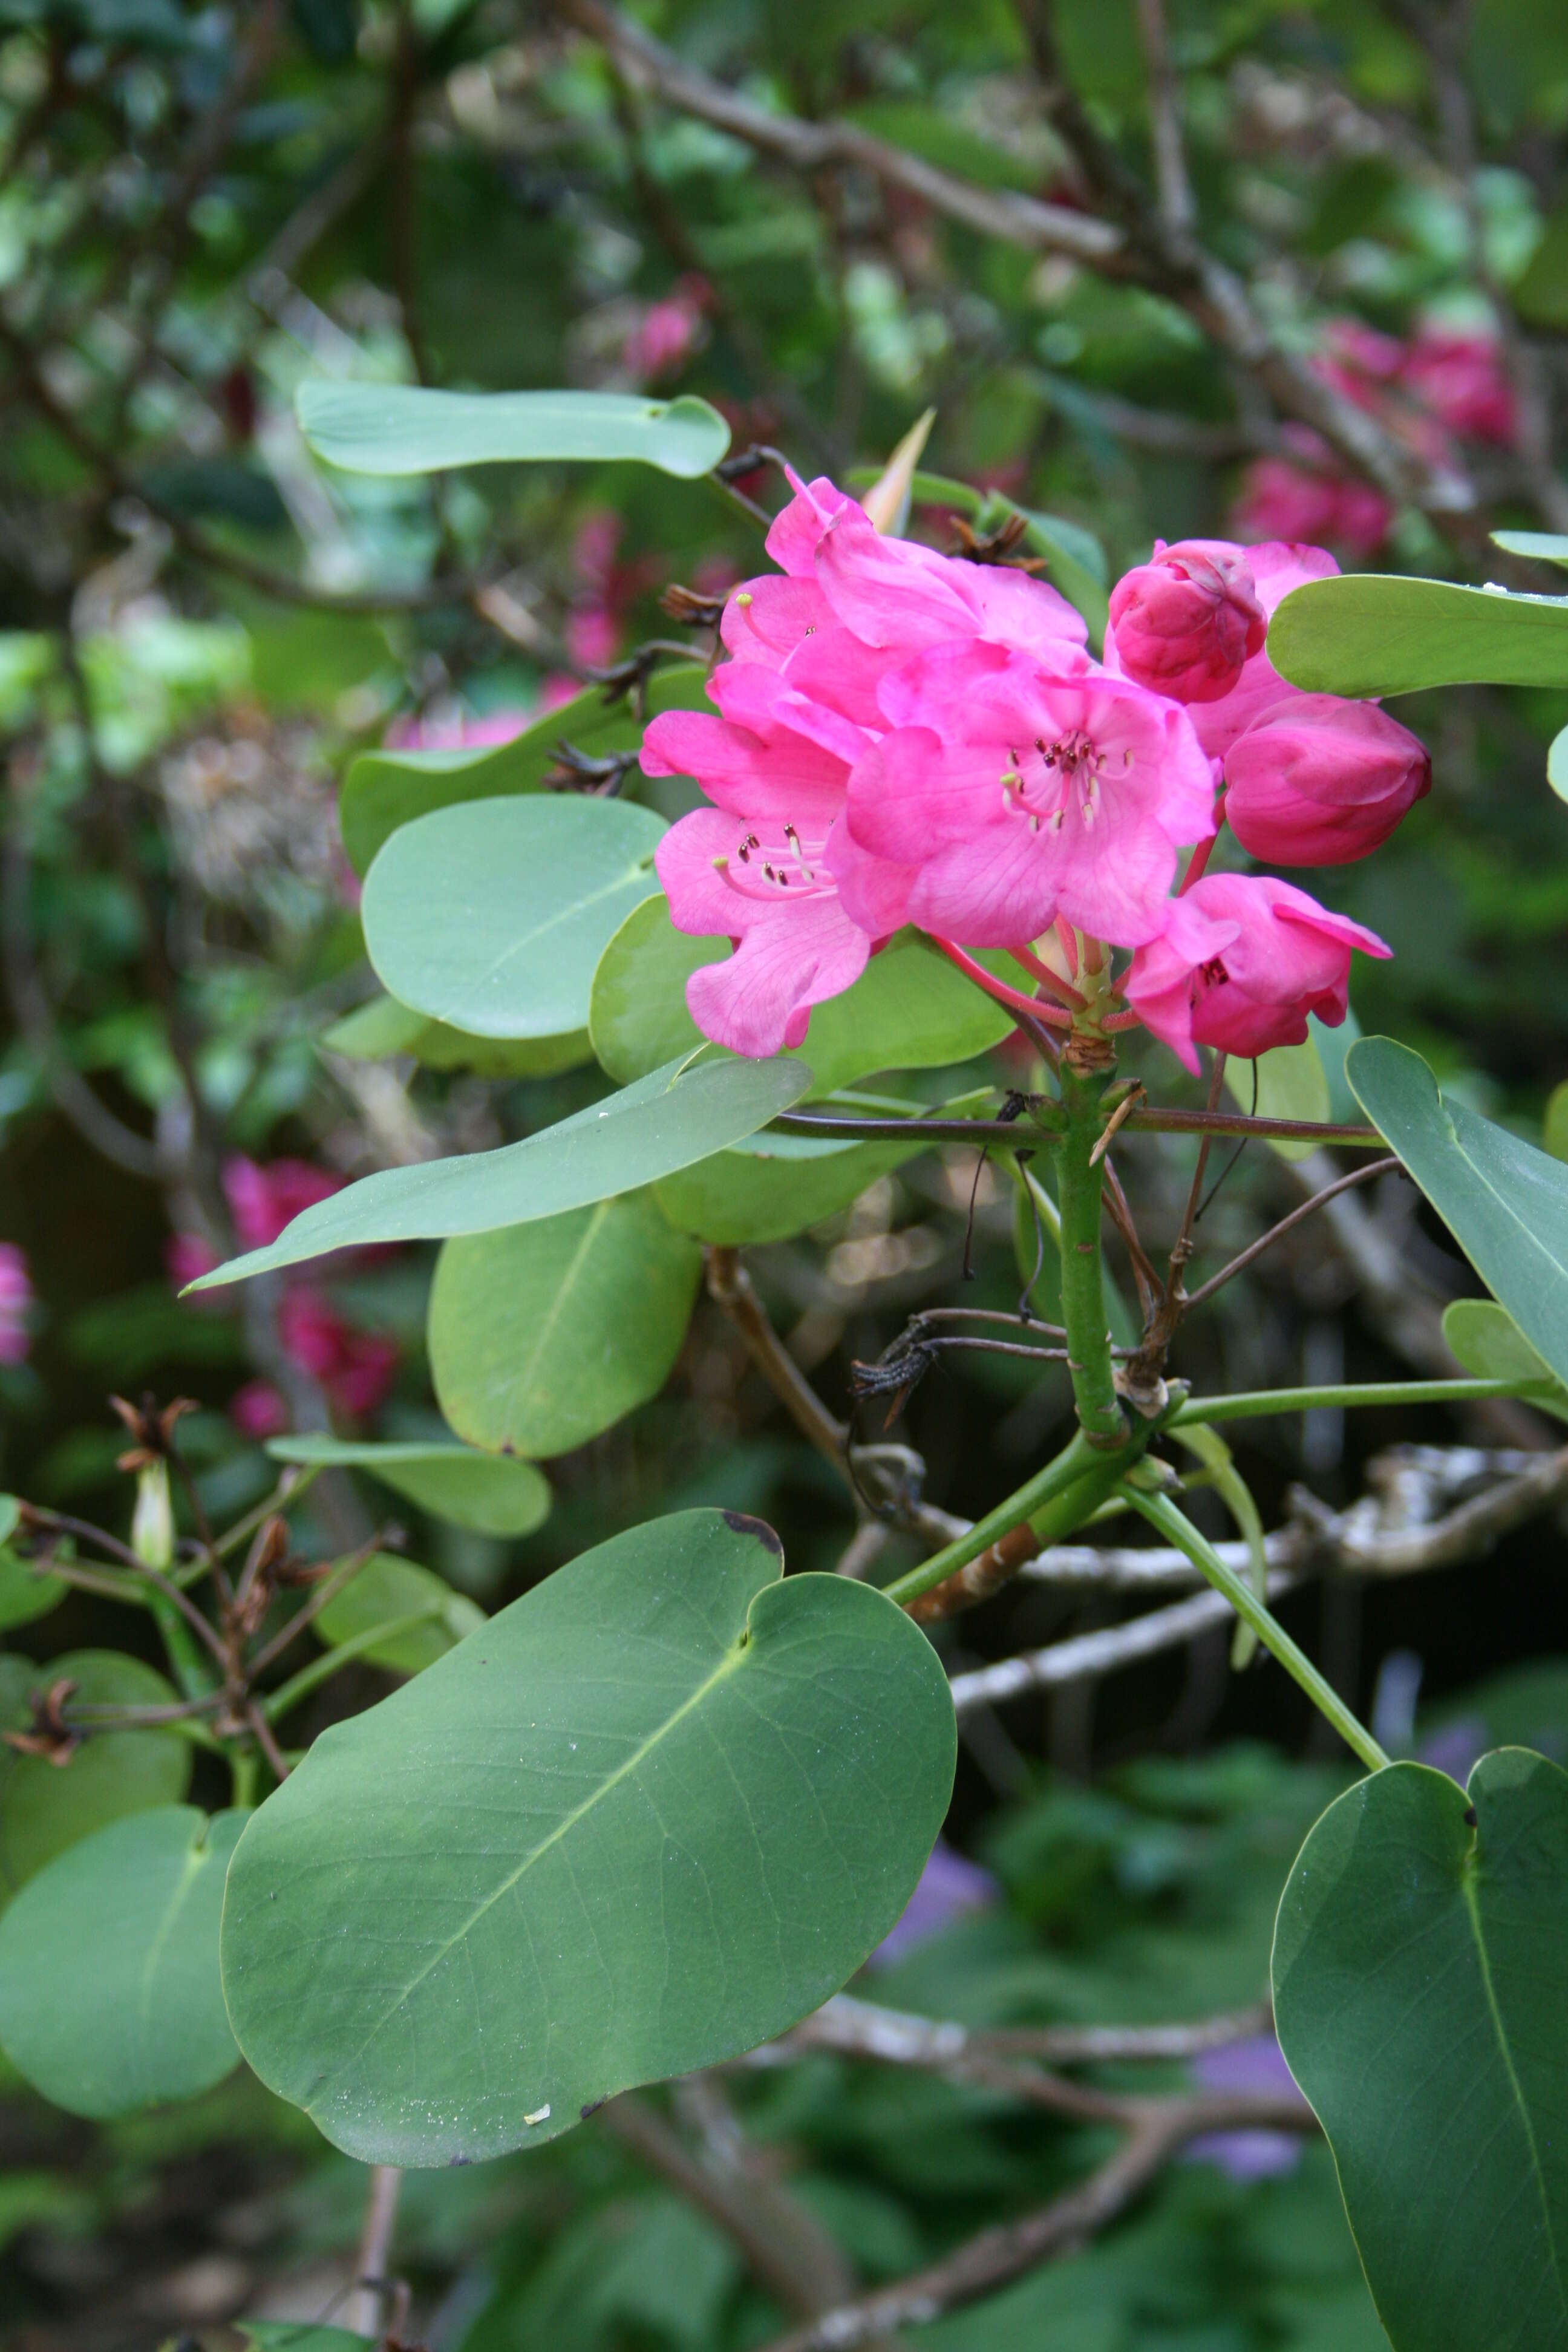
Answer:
x=1422 y=2003
x=451 y=1482
x=1484 y=1337
x=654 y=1812
x=491 y=916
x=910 y=1010
x=46 y=1807
x=402 y=428
x=673 y=1116
x=110 y=1993
x=27 y=1590
x=387 y=1590
x=386 y=789
x=543 y=1336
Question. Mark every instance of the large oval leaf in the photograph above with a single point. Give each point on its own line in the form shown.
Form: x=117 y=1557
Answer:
x=451 y=1482
x=1505 y=1204
x=1374 y=632
x=386 y=789
x=666 y=1120
x=404 y=428
x=26 y=1588
x=110 y=1993
x=545 y=1334
x=1422 y=2003
x=492 y=915
x=910 y=1010
x=657 y=1810
x=382 y=1027
x=773 y=1186
x=46 y=1807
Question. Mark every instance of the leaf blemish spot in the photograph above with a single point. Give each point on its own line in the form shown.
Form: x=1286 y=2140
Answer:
x=1472 y=1819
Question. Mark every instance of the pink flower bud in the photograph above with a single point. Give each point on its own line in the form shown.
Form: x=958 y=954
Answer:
x=1242 y=961
x=1186 y=621
x=1317 y=780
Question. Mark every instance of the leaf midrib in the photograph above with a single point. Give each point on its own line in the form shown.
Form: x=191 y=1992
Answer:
x=1467 y=1895
x=730 y=1660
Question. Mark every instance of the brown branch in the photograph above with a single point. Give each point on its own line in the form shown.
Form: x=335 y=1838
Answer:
x=784 y=2247
x=730 y=1286
x=1176 y=203
x=373 y=2259
x=814 y=147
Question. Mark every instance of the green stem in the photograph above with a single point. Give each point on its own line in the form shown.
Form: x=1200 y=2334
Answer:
x=320 y=1669
x=305 y=1477
x=1067 y=1470
x=188 y=1662
x=1257 y=1404
x=1161 y=1514
x=1079 y=1179
x=243 y=1770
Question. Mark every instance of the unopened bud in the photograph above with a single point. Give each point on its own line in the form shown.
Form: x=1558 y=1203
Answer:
x=1187 y=621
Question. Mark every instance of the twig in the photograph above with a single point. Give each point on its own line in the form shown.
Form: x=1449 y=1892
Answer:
x=1144 y=1121
x=328 y=1590
x=262 y=1731
x=730 y=1286
x=1176 y=203
x=1363 y=1175
x=363 y=2312
x=784 y=2251
x=863 y=2028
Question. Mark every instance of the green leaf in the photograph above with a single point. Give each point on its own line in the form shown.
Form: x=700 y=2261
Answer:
x=491 y=916
x=451 y=1482
x=1372 y=632
x=10 y=1517
x=910 y=1010
x=44 y=1807
x=545 y=1334
x=383 y=1027
x=26 y=1591
x=386 y=789
x=1554 y=1124
x=1540 y=546
x=774 y=1186
x=399 y=428
x=297 y=2336
x=1422 y=2003
x=1505 y=1204
x=676 y=1115
x=1291 y=1083
x=1557 y=764
x=387 y=1589
x=1484 y=1337
x=655 y=1812
x=110 y=1999
x=1075 y=565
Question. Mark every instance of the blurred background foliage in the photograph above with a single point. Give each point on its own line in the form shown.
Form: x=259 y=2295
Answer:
x=202 y=205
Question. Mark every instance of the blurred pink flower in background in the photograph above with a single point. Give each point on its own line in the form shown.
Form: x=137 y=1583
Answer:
x=950 y=1887
x=463 y=733
x=668 y=332
x=1461 y=378
x=354 y=1367
x=1307 y=498
x=17 y=1298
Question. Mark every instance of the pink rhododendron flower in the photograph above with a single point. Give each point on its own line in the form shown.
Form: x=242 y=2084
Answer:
x=1258 y=2066
x=1276 y=568
x=668 y=332
x=16 y=1303
x=1242 y=961
x=1318 y=781
x=1187 y=620
x=1018 y=794
x=263 y=1199
x=770 y=864
x=1461 y=378
x=1307 y=498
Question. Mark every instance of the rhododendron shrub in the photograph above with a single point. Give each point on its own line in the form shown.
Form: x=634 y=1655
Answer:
x=918 y=853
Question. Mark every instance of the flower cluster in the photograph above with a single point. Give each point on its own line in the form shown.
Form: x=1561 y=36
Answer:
x=16 y=1305
x=908 y=738
x=1432 y=390
x=355 y=1367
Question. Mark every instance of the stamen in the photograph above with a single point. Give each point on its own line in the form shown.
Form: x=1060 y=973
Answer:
x=743 y=598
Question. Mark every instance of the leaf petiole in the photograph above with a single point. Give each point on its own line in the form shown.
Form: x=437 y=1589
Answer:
x=1256 y=1404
